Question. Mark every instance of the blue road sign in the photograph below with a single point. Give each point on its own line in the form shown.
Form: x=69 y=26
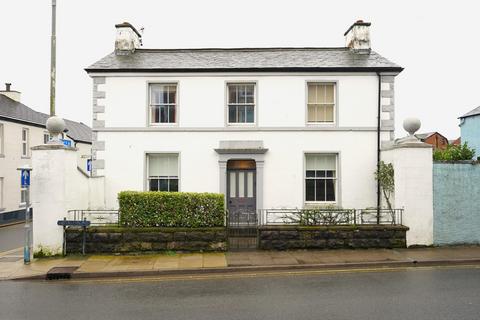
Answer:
x=25 y=177
x=67 y=143
x=89 y=165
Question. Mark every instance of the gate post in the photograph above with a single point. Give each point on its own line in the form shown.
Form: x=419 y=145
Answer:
x=413 y=164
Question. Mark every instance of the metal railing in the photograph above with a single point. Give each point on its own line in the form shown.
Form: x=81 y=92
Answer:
x=324 y=217
x=96 y=217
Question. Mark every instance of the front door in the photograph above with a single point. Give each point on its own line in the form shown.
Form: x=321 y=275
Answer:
x=241 y=196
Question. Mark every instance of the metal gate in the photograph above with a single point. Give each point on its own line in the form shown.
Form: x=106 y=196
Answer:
x=242 y=230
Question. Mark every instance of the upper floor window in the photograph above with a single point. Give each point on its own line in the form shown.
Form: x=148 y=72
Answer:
x=25 y=142
x=320 y=177
x=163 y=103
x=241 y=103
x=46 y=137
x=162 y=172
x=1 y=193
x=1 y=138
x=321 y=103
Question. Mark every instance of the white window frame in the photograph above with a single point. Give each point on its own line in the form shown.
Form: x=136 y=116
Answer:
x=26 y=142
x=147 y=168
x=335 y=103
x=254 y=104
x=336 y=179
x=149 y=104
x=23 y=194
x=2 y=139
x=2 y=198
x=46 y=134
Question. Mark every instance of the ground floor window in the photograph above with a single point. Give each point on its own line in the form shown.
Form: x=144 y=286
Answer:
x=320 y=177
x=162 y=172
x=23 y=196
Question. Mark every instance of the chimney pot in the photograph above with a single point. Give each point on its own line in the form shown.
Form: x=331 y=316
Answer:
x=7 y=86
x=357 y=37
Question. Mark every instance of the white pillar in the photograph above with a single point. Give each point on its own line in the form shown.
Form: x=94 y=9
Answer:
x=413 y=165
x=54 y=166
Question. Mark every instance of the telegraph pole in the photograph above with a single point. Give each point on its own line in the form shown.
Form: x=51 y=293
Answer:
x=53 y=57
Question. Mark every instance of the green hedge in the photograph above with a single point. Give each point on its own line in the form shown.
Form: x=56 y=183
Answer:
x=171 y=209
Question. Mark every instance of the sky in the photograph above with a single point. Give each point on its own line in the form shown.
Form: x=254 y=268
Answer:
x=435 y=41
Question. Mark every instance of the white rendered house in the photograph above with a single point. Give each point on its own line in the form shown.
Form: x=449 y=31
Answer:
x=267 y=127
x=22 y=128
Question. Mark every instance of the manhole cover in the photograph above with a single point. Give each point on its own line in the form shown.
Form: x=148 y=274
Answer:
x=57 y=273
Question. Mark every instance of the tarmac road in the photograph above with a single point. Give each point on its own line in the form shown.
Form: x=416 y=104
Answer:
x=415 y=293
x=12 y=237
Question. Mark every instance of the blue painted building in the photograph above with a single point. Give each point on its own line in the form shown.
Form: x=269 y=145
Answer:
x=470 y=129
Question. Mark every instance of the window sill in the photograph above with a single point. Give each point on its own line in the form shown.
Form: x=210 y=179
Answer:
x=2 y=209
x=241 y=125
x=167 y=124
x=311 y=204
x=321 y=124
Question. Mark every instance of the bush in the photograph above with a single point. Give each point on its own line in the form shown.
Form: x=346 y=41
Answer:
x=454 y=153
x=171 y=209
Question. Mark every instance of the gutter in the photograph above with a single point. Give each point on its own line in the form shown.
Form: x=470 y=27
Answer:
x=378 y=142
x=251 y=69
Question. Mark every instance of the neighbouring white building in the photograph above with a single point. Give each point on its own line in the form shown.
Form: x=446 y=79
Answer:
x=267 y=127
x=20 y=129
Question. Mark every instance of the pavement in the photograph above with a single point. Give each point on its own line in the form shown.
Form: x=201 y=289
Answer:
x=168 y=263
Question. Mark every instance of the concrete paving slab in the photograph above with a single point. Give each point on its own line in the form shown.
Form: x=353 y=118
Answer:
x=188 y=261
x=214 y=260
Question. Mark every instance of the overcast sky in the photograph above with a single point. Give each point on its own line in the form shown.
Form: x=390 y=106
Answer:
x=437 y=42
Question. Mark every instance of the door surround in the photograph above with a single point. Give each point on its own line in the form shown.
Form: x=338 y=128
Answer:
x=241 y=150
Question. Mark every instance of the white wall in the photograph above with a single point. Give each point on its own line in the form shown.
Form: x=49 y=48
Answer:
x=283 y=170
x=413 y=167
x=280 y=105
x=57 y=186
x=12 y=158
x=202 y=99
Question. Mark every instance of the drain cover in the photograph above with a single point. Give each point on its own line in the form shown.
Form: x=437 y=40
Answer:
x=58 y=273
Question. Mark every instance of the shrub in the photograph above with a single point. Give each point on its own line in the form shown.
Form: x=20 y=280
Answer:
x=454 y=153
x=171 y=209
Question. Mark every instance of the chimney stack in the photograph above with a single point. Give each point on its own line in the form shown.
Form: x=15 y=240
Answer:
x=12 y=94
x=128 y=39
x=357 y=37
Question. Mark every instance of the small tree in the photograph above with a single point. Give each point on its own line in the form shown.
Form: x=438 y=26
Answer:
x=385 y=177
x=454 y=153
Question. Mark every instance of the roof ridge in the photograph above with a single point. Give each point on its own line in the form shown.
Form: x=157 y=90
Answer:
x=239 y=49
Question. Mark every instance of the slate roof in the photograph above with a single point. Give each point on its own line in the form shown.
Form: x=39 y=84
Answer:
x=422 y=136
x=244 y=59
x=474 y=112
x=16 y=111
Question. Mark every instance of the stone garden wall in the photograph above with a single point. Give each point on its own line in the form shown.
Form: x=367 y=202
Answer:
x=127 y=240
x=331 y=237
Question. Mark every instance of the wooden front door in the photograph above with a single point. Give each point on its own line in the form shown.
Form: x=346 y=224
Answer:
x=241 y=196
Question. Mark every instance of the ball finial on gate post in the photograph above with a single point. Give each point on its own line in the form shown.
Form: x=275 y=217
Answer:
x=411 y=125
x=55 y=126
